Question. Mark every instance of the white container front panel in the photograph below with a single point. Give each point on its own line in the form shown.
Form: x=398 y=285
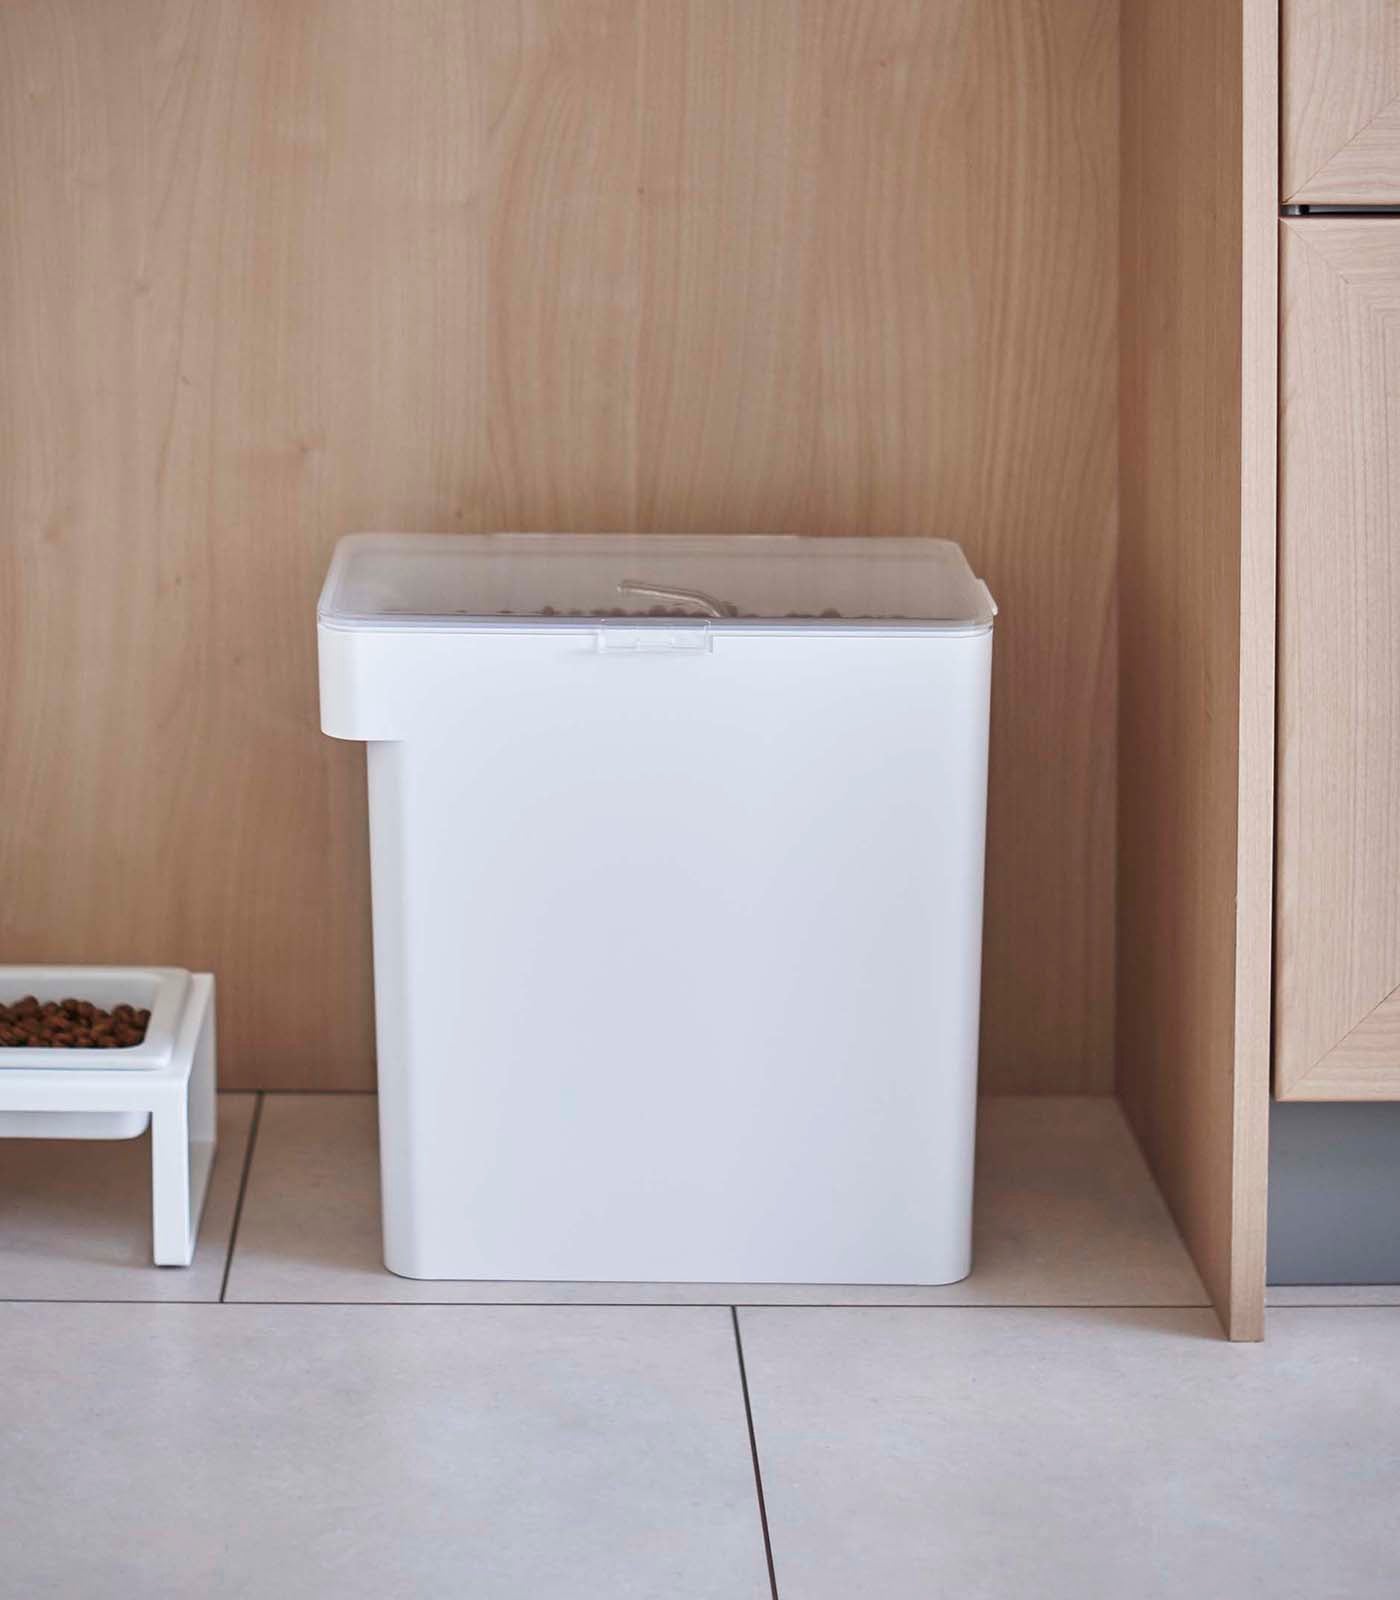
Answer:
x=676 y=949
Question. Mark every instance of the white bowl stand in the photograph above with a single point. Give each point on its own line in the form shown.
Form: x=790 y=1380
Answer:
x=178 y=1097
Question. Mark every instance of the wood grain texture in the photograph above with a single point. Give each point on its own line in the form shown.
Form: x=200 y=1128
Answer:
x=233 y=317
x=1365 y=1065
x=1337 y=1029
x=1341 y=102
x=561 y=307
x=1197 y=597
x=293 y=269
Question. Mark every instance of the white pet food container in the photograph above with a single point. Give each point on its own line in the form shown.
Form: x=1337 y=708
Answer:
x=677 y=918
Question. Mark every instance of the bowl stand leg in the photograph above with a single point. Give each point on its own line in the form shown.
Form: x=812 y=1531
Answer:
x=182 y=1154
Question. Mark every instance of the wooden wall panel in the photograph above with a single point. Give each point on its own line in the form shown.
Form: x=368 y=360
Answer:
x=561 y=309
x=291 y=269
x=239 y=269
x=731 y=193
x=1198 y=397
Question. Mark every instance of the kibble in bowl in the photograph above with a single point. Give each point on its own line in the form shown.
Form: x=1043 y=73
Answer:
x=70 y=1025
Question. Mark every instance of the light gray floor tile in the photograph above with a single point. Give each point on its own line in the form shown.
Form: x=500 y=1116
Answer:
x=1066 y=1215
x=75 y=1217
x=501 y=1453
x=1077 y=1455
x=1335 y=1294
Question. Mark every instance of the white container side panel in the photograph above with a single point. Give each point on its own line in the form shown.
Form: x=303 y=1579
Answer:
x=677 y=957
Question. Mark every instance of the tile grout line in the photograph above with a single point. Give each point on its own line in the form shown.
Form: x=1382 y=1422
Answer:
x=652 y=1305
x=753 y=1453
x=1333 y=1305
x=242 y=1193
x=706 y=1305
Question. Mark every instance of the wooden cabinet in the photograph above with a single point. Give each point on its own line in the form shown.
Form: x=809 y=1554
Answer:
x=1337 y=953
x=1341 y=102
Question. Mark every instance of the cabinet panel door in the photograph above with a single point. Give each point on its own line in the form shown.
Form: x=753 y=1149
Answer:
x=1341 y=102
x=1337 y=978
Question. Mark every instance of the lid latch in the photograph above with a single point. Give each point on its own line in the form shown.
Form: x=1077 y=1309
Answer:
x=643 y=639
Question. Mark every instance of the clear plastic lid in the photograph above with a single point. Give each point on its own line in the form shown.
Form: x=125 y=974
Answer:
x=398 y=580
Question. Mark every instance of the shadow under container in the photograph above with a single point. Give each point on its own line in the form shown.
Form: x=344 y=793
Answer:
x=677 y=917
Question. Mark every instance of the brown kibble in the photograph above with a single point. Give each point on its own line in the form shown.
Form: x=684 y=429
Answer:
x=70 y=1024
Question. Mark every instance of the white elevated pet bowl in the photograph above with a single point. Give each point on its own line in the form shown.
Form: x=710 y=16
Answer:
x=166 y=1081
